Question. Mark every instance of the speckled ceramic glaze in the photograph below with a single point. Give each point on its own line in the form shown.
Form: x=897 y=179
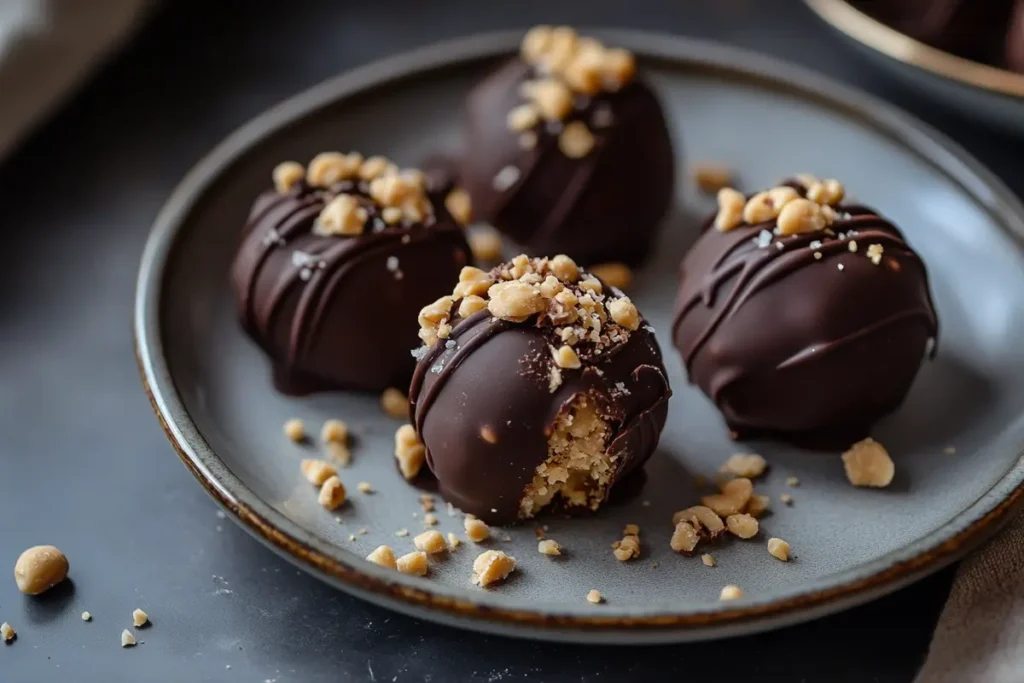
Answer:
x=211 y=389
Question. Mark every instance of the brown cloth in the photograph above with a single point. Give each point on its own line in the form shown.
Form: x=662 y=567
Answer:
x=980 y=636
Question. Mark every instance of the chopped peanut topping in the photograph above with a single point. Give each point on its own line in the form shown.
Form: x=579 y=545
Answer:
x=549 y=547
x=470 y=305
x=613 y=274
x=730 y=592
x=779 y=549
x=341 y=216
x=731 y=205
x=566 y=358
x=867 y=463
x=827 y=192
x=800 y=216
x=515 y=301
x=332 y=493
x=523 y=117
x=295 y=429
x=286 y=175
x=476 y=530
x=316 y=471
x=742 y=525
x=624 y=313
x=491 y=567
x=334 y=431
x=409 y=451
x=459 y=205
x=374 y=167
x=384 y=556
x=485 y=245
x=431 y=542
x=874 y=253
x=711 y=178
x=414 y=563
x=576 y=140
x=552 y=99
x=394 y=403
x=328 y=168
x=749 y=465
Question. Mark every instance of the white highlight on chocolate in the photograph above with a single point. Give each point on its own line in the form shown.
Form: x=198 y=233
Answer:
x=506 y=178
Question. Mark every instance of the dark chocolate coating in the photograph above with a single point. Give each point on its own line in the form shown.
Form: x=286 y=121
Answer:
x=337 y=312
x=789 y=345
x=605 y=206
x=494 y=374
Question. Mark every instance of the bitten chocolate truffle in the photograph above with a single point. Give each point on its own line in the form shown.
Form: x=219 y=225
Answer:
x=537 y=385
x=334 y=264
x=800 y=316
x=567 y=150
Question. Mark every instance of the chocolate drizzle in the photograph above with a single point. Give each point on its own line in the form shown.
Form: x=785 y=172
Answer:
x=303 y=296
x=788 y=342
x=493 y=373
x=605 y=206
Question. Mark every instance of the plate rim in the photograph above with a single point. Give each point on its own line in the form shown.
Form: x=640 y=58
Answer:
x=491 y=611
x=868 y=31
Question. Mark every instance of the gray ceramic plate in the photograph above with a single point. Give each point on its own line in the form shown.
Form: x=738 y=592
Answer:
x=976 y=90
x=210 y=386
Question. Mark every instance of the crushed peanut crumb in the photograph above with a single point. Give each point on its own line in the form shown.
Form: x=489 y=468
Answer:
x=339 y=453
x=476 y=530
x=427 y=502
x=343 y=215
x=749 y=465
x=708 y=559
x=459 y=205
x=430 y=541
x=402 y=533
x=594 y=597
x=453 y=541
x=7 y=632
x=414 y=563
x=316 y=471
x=430 y=519
x=792 y=481
x=332 y=493
x=127 y=639
x=800 y=216
x=758 y=505
x=631 y=530
x=139 y=618
x=628 y=548
x=613 y=274
x=485 y=245
x=86 y=616
x=549 y=547
x=295 y=429
x=742 y=525
x=409 y=451
x=384 y=556
x=492 y=566
x=566 y=358
x=778 y=549
x=730 y=592
x=867 y=463
x=286 y=175
x=365 y=487
x=394 y=403
x=786 y=499
x=334 y=431
x=576 y=140
x=731 y=205
x=874 y=253
x=711 y=178
x=733 y=499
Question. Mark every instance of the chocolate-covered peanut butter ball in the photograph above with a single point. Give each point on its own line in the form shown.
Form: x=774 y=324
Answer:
x=335 y=262
x=536 y=385
x=801 y=316
x=567 y=150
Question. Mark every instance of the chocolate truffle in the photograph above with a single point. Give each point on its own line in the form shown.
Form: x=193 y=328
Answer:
x=801 y=317
x=567 y=151
x=537 y=385
x=334 y=264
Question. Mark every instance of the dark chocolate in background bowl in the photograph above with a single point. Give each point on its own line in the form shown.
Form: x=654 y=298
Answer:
x=209 y=384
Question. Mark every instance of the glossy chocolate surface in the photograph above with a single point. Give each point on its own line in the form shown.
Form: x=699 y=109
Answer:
x=335 y=311
x=789 y=343
x=605 y=206
x=494 y=374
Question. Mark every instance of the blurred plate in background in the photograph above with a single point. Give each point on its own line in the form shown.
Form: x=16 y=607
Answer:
x=979 y=91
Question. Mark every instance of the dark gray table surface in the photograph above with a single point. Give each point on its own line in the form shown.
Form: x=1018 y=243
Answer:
x=83 y=464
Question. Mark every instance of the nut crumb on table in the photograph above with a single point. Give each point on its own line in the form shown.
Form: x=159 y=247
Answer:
x=384 y=556
x=730 y=592
x=711 y=177
x=364 y=487
x=492 y=566
x=749 y=465
x=139 y=618
x=394 y=403
x=476 y=529
x=708 y=559
x=414 y=563
x=295 y=429
x=779 y=549
x=430 y=541
x=332 y=493
x=549 y=547
x=39 y=569
x=7 y=632
x=334 y=431
x=594 y=597
x=316 y=471
x=867 y=463
x=86 y=616
x=127 y=639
